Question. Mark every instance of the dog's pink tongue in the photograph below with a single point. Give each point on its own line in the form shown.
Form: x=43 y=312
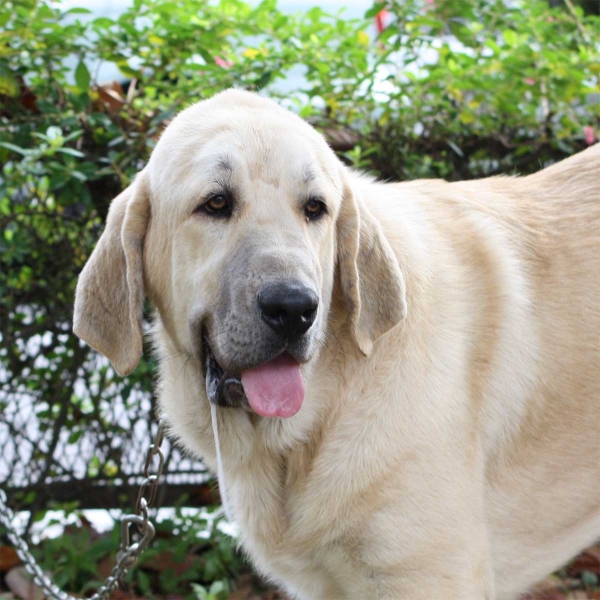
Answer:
x=275 y=388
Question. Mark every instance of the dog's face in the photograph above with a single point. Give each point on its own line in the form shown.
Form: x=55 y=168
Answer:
x=235 y=229
x=251 y=205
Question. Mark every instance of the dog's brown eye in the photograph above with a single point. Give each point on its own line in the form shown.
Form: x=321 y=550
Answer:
x=217 y=203
x=314 y=209
x=218 y=206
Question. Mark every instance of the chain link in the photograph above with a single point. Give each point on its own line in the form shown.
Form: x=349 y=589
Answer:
x=129 y=552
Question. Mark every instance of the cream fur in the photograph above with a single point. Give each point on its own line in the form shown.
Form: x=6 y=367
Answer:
x=448 y=444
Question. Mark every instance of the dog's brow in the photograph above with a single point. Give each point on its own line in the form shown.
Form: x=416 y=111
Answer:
x=221 y=171
x=308 y=174
x=224 y=164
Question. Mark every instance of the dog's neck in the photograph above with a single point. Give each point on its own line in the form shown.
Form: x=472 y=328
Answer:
x=267 y=457
x=182 y=399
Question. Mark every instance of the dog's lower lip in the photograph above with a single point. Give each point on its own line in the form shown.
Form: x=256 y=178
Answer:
x=222 y=388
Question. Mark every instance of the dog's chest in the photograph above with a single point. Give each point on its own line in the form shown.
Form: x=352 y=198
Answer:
x=304 y=565
x=279 y=533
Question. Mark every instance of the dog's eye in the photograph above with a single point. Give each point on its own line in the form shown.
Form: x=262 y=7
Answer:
x=314 y=209
x=218 y=206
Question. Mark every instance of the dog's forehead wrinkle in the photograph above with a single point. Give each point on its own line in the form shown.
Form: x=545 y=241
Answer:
x=223 y=168
x=309 y=172
x=224 y=163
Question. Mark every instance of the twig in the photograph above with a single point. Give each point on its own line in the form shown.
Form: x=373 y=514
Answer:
x=581 y=28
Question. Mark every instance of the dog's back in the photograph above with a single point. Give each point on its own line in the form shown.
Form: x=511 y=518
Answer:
x=544 y=482
x=521 y=257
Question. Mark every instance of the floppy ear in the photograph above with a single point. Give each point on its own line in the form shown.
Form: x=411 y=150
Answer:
x=109 y=299
x=371 y=281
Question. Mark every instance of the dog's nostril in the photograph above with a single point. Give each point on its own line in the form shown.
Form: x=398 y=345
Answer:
x=309 y=313
x=288 y=308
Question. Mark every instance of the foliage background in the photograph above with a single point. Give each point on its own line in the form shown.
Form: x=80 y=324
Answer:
x=449 y=89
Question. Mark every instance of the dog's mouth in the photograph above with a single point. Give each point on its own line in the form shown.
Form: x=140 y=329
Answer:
x=223 y=389
x=270 y=389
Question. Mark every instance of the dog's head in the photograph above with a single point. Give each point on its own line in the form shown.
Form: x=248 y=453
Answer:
x=235 y=230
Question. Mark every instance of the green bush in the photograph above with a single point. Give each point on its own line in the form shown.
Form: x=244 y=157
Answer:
x=189 y=550
x=449 y=89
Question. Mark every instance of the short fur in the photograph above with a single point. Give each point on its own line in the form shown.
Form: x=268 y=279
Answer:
x=448 y=443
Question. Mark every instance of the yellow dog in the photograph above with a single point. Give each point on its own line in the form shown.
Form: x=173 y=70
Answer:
x=406 y=376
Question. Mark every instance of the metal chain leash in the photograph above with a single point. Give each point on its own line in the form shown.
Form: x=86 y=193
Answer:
x=129 y=551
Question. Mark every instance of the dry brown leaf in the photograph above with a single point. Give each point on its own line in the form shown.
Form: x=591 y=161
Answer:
x=594 y=551
x=552 y=588
x=582 y=595
x=341 y=139
x=8 y=558
x=589 y=560
x=110 y=97
x=163 y=561
x=246 y=590
x=20 y=584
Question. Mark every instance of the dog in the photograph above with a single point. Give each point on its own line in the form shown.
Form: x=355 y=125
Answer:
x=405 y=376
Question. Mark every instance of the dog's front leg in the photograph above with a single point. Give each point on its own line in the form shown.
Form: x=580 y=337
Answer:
x=458 y=569
x=429 y=541
x=427 y=586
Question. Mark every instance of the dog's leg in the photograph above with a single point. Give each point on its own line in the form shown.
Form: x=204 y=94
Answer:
x=429 y=539
x=448 y=571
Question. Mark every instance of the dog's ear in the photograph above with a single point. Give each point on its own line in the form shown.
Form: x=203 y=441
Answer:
x=371 y=281
x=109 y=299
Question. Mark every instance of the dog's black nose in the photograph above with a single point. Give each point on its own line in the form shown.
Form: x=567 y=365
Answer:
x=288 y=308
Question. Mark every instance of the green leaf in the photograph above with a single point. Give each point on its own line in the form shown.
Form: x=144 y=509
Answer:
x=455 y=148
x=200 y=592
x=78 y=11
x=206 y=55
x=71 y=152
x=9 y=86
x=103 y=22
x=74 y=437
x=377 y=7
x=589 y=579
x=73 y=136
x=144 y=581
x=14 y=148
x=82 y=77
x=510 y=37
x=218 y=589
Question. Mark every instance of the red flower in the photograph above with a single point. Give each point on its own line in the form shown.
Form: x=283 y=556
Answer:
x=225 y=64
x=380 y=20
x=590 y=138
